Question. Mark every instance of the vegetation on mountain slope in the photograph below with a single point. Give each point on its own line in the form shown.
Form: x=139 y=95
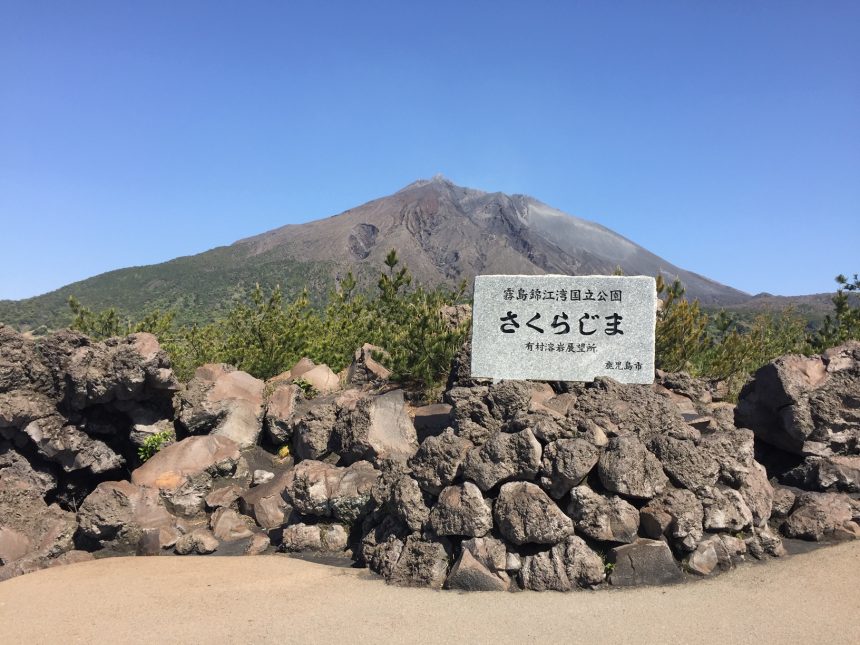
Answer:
x=198 y=289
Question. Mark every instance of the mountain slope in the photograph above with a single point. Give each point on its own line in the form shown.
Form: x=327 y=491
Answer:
x=444 y=233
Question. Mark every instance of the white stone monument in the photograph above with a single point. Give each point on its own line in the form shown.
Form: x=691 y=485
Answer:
x=564 y=328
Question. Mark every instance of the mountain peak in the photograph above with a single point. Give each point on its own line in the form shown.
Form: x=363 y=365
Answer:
x=437 y=179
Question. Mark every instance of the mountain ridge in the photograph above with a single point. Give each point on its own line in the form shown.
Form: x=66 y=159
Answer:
x=443 y=232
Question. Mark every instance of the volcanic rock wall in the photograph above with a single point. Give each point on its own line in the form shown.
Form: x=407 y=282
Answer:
x=502 y=486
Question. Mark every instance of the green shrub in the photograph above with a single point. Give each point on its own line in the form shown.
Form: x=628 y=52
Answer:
x=264 y=336
x=107 y=323
x=307 y=389
x=722 y=347
x=153 y=443
x=681 y=328
x=844 y=324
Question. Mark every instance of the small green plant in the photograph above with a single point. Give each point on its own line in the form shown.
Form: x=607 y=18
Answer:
x=153 y=443
x=307 y=389
x=608 y=567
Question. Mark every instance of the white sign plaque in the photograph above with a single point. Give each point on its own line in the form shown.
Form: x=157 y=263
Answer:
x=564 y=328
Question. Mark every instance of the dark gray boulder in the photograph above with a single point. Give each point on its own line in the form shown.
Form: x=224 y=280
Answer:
x=806 y=404
x=461 y=510
x=471 y=416
x=397 y=493
x=430 y=420
x=564 y=567
x=724 y=509
x=267 y=503
x=627 y=467
x=783 y=502
x=199 y=542
x=469 y=574
x=438 y=460
x=378 y=428
x=830 y=473
x=420 y=563
x=733 y=450
x=686 y=464
x=757 y=492
x=281 y=403
x=526 y=514
x=324 y=490
x=327 y=538
x=675 y=514
x=116 y=515
x=503 y=457
x=644 y=562
x=820 y=516
x=16 y=469
x=718 y=552
x=566 y=463
x=762 y=542
x=621 y=409
x=225 y=402
x=603 y=518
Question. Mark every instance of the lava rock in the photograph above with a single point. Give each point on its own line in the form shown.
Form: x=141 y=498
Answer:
x=564 y=567
x=686 y=464
x=280 y=407
x=225 y=402
x=420 y=563
x=626 y=467
x=676 y=514
x=330 y=538
x=200 y=541
x=378 y=428
x=819 y=516
x=439 y=460
x=757 y=492
x=116 y=515
x=725 y=509
x=468 y=574
x=461 y=510
x=526 y=514
x=644 y=562
x=267 y=503
x=502 y=458
x=566 y=463
x=603 y=518
x=323 y=490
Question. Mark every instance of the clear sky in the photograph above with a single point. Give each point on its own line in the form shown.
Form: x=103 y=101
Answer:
x=724 y=136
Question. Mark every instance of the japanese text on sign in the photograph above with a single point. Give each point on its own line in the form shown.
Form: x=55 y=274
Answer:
x=567 y=328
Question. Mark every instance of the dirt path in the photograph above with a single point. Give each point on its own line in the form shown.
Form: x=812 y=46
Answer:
x=809 y=598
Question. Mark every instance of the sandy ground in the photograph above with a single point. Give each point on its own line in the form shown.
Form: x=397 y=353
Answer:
x=809 y=598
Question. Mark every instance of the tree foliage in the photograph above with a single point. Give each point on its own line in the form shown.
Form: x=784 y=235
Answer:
x=721 y=347
x=844 y=324
x=264 y=335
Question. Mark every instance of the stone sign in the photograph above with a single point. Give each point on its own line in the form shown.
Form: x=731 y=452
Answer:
x=564 y=328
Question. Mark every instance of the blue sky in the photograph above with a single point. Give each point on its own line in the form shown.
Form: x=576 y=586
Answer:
x=724 y=136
